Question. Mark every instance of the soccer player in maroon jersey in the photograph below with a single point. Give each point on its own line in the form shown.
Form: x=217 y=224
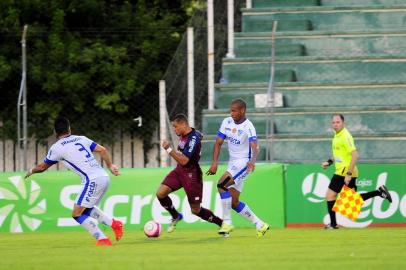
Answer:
x=187 y=174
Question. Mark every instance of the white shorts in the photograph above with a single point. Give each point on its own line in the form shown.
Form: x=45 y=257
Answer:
x=92 y=191
x=238 y=170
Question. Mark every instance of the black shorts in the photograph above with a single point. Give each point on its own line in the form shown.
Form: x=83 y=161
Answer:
x=337 y=183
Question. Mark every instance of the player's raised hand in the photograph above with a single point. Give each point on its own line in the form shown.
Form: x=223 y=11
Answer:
x=114 y=169
x=212 y=170
x=165 y=144
x=250 y=167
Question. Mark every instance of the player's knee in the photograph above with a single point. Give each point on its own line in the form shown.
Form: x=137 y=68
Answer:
x=76 y=213
x=235 y=203
x=330 y=195
x=221 y=187
x=160 y=194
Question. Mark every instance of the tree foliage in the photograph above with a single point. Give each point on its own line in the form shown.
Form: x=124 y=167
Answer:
x=98 y=62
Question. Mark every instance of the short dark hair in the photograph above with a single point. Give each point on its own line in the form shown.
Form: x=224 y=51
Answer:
x=339 y=115
x=180 y=118
x=240 y=102
x=61 y=125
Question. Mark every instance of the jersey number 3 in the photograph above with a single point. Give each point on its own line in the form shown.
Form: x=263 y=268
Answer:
x=82 y=148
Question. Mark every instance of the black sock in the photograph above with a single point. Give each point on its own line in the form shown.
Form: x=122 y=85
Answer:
x=370 y=194
x=167 y=204
x=208 y=215
x=333 y=221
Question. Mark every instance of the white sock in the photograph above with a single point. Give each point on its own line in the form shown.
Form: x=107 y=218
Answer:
x=100 y=216
x=90 y=225
x=247 y=213
x=226 y=205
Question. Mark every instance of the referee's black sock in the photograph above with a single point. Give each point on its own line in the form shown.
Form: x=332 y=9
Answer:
x=333 y=221
x=371 y=194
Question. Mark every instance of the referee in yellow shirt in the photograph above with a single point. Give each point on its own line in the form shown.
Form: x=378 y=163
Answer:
x=345 y=157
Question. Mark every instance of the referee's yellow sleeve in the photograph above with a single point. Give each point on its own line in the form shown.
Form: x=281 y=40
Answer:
x=349 y=143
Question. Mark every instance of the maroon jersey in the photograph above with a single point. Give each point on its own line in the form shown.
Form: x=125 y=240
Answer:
x=188 y=176
x=190 y=145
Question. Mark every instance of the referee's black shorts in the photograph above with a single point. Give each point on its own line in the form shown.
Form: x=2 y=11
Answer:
x=337 y=183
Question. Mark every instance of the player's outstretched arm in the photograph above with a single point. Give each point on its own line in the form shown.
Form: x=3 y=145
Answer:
x=38 y=169
x=216 y=153
x=178 y=157
x=102 y=151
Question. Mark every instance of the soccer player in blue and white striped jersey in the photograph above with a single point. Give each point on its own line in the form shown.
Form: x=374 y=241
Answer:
x=243 y=150
x=76 y=153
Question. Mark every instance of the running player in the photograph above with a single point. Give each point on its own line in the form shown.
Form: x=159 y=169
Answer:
x=187 y=174
x=243 y=150
x=76 y=153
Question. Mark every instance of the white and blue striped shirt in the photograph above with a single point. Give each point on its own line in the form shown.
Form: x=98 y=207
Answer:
x=76 y=154
x=238 y=137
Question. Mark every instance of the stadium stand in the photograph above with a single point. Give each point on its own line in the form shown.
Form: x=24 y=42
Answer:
x=344 y=56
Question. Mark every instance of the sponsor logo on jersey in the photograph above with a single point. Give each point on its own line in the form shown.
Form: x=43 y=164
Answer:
x=233 y=140
x=92 y=189
x=192 y=144
x=182 y=144
x=240 y=132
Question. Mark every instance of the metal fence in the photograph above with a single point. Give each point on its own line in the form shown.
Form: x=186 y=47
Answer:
x=176 y=75
x=140 y=146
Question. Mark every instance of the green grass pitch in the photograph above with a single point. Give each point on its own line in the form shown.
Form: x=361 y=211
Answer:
x=371 y=248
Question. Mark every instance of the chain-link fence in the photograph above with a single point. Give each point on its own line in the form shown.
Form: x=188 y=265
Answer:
x=176 y=74
x=359 y=74
x=126 y=117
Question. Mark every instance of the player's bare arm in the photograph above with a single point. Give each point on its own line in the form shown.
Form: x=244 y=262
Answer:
x=354 y=159
x=38 y=169
x=178 y=157
x=255 y=150
x=102 y=151
x=216 y=153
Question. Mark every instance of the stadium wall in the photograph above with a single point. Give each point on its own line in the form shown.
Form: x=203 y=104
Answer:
x=44 y=202
x=285 y=195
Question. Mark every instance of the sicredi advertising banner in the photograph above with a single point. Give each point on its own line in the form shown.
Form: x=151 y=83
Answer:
x=44 y=201
x=306 y=187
